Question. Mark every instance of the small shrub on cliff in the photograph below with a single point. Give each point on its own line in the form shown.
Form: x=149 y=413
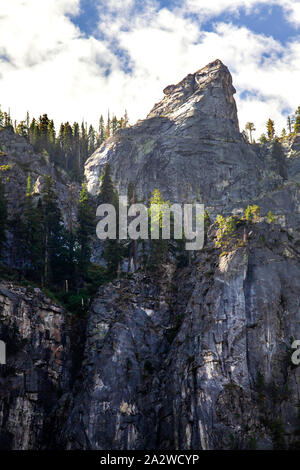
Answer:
x=271 y=218
x=252 y=213
x=226 y=228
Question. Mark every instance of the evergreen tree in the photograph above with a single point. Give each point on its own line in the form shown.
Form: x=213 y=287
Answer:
x=85 y=230
x=8 y=122
x=43 y=132
x=297 y=121
x=91 y=140
x=51 y=137
x=158 y=248
x=263 y=139
x=101 y=132
x=108 y=127
x=112 y=252
x=270 y=129
x=21 y=129
x=114 y=125
x=289 y=124
x=33 y=133
x=32 y=226
x=27 y=123
x=126 y=119
x=107 y=193
x=84 y=143
x=251 y=128
x=77 y=163
x=68 y=144
x=54 y=246
x=283 y=133
x=1 y=117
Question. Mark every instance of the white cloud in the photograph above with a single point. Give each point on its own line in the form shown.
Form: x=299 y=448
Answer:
x=52 y=67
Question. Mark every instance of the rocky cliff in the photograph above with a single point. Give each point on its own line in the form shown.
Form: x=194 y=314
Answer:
x=190 y=148
x=38 y=366
x=194 y=357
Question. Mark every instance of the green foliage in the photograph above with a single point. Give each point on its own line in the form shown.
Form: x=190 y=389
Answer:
x=107 y=193
x=158 y=248
x=86 y=228
x=297 y=121
x=263 y=139
x=70 y=148
x=270 y=129
x=252 y=213
x=271 y=218
x=113 y=251
x=250 y=128
x=226 y=229
x=277 y=431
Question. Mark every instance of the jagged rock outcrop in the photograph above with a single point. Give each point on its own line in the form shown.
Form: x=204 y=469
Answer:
x=189 y=147
x=38 y=366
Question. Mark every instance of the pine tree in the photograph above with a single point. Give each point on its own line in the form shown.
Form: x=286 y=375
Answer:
x=270 y=129
x=289 y=124
x=112 y=252
x=51 y=137
x=251 y=128
x=68 y=144
x=126 y=119
x=91 y=140
x=8 y=121
x=43 y=132
x=27 y=123
x=84 y=144
x=77 y=162
x=107 y=193
x=297 y=121
x=1 y=117
x=108 y=127
x=85 y=230
x=32 y=227
x=158 y=248
x=54 y=248
x=101 y=132
x=34 y=134
x=114 y=125
x=21 y=129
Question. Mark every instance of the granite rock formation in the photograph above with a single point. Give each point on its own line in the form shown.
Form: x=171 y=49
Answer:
x=38 y=366
x=195 y=357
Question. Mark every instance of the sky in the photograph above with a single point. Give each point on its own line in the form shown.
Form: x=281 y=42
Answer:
x=75 y=60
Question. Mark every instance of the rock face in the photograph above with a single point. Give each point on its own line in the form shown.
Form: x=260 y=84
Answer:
x=37 y=370
x=189 y=146
x=187 y=358
x=197 y=358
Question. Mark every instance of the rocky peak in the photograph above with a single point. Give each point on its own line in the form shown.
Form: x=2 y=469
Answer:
x=189 y=146
x=212 y=81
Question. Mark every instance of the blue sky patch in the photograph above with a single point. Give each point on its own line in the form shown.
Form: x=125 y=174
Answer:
x=264 y=19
